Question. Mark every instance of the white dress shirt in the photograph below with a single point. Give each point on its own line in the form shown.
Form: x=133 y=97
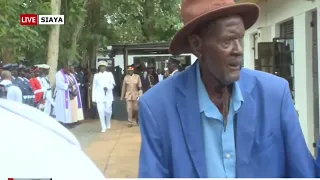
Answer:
x=160 y=77
x=34 y=145
x=13 y=92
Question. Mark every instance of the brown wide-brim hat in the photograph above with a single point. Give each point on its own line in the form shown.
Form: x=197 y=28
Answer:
x=195 y=13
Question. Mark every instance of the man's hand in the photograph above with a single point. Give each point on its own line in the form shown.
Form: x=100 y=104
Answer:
x=70 y=85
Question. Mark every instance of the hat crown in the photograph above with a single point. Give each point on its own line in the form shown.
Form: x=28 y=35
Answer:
x=191 y=9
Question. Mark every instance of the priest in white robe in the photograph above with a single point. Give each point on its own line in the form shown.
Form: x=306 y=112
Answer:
x=62 y=99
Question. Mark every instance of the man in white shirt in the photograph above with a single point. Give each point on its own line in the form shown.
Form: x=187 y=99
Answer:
x=160 y=75
x=34 y=145
x=13 y=92
x=103 y=84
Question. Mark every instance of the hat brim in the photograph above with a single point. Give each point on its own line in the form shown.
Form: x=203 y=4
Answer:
x=249 y=13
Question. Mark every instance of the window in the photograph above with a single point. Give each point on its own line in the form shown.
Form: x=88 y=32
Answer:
x=276 y=57
x=283 y=59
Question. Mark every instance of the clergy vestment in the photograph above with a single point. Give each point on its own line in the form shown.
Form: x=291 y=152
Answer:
x=64 y=106
x=76 y=104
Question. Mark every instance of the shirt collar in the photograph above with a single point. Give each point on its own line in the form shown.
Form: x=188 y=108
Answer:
x=204 y=101
x=174 y=72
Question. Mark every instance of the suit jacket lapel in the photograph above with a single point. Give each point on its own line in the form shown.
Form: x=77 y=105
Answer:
x=246 y=123
x=188 y=108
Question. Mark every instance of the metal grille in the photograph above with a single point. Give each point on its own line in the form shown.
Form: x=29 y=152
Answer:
x=286 y=29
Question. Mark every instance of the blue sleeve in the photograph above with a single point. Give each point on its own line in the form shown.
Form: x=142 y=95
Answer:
x=299 y=161
x=151 y=153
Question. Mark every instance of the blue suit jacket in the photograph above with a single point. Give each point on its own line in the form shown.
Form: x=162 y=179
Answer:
x=269 y=139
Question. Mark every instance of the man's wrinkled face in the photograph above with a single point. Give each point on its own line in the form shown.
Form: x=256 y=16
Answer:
x=219 y=48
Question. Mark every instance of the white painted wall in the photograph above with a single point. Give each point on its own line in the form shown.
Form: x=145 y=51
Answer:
x=118 y=59
x=273 y=12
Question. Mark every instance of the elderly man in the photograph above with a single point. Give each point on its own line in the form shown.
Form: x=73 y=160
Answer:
x=215 y=119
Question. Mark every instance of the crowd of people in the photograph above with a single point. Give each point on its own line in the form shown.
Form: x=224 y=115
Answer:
x=31 y=86
x=69 y=99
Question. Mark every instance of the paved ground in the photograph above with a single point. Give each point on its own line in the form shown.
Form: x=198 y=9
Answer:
x=115 y=152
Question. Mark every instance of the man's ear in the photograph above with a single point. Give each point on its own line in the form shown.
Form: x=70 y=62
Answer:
x=195 y=43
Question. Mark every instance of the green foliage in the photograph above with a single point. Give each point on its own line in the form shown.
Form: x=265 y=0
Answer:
x=20 y=39
x=89 y=24
x=145 y=20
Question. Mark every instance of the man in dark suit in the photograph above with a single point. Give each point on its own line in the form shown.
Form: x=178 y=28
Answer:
x=173 y=66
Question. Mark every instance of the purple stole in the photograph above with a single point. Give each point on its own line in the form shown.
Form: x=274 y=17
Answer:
x=66 y=93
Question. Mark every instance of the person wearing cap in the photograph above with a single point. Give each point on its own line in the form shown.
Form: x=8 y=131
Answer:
x=102 y=94
x=131 y=91
x=218 y=120
x=46 y=88
x=37 y=88
x=173 y=66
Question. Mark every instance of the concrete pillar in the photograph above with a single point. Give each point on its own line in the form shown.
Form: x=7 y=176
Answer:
x=248 y=57
x=125 y=60
x=275 y=31
x=303 y=74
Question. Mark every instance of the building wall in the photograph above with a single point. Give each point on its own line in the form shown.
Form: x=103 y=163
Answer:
x=274 y=12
